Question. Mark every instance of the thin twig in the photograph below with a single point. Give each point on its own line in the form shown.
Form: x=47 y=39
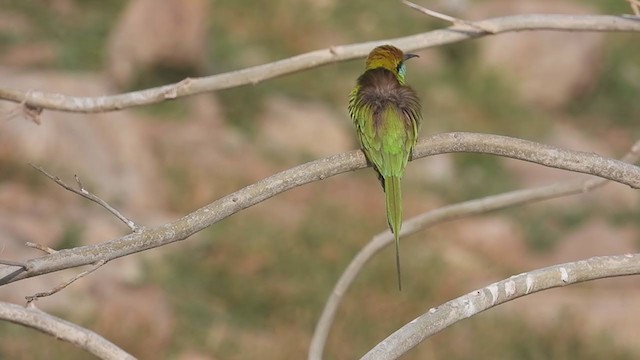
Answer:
x=332 y=54
x=439 y=216
x=208 y=215
x=451 y=19
x=477 y=301
x=32 y=113
x=40 y=247
x=13 y=263
x=87 y=195
x=63 y=285
x=63 y=330
x=27 y=110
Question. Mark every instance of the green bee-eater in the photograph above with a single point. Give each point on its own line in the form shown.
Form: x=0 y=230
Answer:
x=387 y=116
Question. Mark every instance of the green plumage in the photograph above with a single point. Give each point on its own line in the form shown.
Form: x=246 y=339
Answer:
x=387 y=117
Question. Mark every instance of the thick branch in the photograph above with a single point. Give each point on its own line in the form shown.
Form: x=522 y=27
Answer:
x=253 y=75
x=180 y=229
x=451 y=312
x=63 y=330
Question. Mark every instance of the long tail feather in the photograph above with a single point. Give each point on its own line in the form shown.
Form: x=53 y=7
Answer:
x=393 y=201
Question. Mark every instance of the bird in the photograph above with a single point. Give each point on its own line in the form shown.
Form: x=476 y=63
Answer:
x=387 y=115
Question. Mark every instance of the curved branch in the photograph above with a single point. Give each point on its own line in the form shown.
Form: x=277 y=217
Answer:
x=54 y=101
x=438 y=216
x=63 y=330
x=419 y=223
x=479 y=300
x=181 y=229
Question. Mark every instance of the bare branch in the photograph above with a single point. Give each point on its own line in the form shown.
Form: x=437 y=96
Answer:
x=87 y=195
x=208 y=215
x=13 y=263
x=438 y=216
x=582 y=162
x=421 y=222
x=40 y=247
x=63 y=285
x=63 y=330
x=451 y=19
x=256 y=74
x=479 y=300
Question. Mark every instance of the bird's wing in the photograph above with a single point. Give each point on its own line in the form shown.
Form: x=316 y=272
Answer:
x=385 y=140
x=387 y=133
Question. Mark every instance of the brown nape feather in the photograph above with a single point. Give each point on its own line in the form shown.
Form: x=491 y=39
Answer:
x=380 y=88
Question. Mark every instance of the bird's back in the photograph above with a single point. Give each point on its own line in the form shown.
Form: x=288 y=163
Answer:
x=387 y=115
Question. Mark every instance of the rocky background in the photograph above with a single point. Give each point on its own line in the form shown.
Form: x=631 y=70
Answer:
x=253 y=285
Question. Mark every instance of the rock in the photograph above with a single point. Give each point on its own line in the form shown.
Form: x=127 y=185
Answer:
x=492 y=239
x=437 y=169
x=595 y=238
x=14 y=24
x=304 y=128
x=613 y=196
x=111 y=152
x=30 y=55
x=158 y=33
x=548 y=68
x=564 y=136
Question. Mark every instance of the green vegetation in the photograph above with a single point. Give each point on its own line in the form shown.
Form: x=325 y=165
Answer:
x=15 y=171
x=543 y=228
x=78 y=35
x=72 y=236
x=250 y=271
x=615 y=100
x=479 y=175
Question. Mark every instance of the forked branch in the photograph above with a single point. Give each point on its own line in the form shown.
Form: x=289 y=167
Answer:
x=63 y=285
x=451 y=19
x=90 y=196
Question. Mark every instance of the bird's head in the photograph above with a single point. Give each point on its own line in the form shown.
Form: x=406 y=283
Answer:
x=390 y=58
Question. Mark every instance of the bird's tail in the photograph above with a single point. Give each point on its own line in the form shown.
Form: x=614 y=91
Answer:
x=393 y=202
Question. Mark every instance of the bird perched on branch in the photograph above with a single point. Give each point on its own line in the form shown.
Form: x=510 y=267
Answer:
x=386 y=113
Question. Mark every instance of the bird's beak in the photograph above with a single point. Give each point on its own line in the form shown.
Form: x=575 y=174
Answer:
x=409 y=56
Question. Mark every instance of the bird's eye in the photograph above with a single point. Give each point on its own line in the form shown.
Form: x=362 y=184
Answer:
x=401 y=69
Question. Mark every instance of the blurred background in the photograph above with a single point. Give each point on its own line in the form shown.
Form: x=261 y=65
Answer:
x=253 y=285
